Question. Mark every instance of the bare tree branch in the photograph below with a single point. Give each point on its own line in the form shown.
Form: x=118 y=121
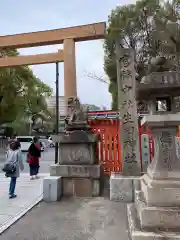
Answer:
x=95 y=77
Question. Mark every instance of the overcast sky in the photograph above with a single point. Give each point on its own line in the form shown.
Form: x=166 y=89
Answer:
x=19 y=16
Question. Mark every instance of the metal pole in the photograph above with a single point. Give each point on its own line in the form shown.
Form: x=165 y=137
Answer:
x=30 y=127
x=57 y=110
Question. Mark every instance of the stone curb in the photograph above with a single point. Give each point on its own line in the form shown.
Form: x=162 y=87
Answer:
x=19 y=215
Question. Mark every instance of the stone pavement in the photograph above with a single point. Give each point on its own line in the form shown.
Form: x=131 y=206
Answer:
x=29 y=194
x=72 y=219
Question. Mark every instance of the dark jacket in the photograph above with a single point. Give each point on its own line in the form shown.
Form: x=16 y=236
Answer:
x=34 y=153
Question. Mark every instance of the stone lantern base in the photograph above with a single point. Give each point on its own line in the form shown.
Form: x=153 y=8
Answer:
x=156 y=211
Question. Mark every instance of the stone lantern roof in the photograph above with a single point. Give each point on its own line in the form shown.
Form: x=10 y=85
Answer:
x=158 y=84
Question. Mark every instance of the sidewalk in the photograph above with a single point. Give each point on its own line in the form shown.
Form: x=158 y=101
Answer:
x=29 y=194
x=2 y=156
x=72 y=219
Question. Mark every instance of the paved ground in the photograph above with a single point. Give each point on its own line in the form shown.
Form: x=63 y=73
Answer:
x=78 y=219
x=48 y=158
x=69 y=219
x=29 y=192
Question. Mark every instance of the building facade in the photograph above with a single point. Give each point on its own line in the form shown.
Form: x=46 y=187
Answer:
x=91 y=107
x=51 y=103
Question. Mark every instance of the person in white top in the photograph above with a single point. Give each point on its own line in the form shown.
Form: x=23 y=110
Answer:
x=13 y=165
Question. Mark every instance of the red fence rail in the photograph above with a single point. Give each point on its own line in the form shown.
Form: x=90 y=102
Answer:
x=108 y=151
x=107 y=125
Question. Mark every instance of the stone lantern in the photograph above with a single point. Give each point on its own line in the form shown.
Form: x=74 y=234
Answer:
x=159 y=91
x=156 y=211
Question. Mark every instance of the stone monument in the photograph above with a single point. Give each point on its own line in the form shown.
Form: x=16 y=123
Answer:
x=78 y=165
x=156 y=211
x=122 y=185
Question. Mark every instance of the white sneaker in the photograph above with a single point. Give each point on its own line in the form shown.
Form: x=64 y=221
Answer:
x=32 y=177
x=37 y=177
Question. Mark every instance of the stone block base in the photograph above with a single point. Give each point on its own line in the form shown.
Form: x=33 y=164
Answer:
x=136 y=233
x=160 y=192
x=80 y=187
x=52 y=189
x=122 y=188
x=73 y=171
x=157 y=217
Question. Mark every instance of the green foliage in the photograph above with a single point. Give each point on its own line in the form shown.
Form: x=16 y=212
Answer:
x=22 y=93
x=20 y=126
x=168 y=32
x=133 y=26
x=114 y=91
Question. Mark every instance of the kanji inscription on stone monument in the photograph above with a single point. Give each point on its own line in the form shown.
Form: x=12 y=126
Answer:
x=128 y=112
x=166 y=142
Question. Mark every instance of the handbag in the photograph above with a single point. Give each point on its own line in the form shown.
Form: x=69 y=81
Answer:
x=10 y=165
x=9 y=168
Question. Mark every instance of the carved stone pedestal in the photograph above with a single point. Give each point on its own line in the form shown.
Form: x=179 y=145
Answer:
x=78 y=165
x=156 y=211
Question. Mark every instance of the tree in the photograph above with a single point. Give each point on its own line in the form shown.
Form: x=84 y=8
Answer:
x=168 y=33
x=132 y=25
x=22 y=93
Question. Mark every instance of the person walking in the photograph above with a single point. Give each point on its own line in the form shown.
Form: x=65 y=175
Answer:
x=13 y=165
x=33 y=156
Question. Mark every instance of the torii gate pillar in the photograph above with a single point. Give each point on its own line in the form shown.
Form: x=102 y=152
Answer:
x=70 y=88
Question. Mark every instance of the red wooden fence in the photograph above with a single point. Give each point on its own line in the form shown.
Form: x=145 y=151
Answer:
x=106 y=125
x=109 y=146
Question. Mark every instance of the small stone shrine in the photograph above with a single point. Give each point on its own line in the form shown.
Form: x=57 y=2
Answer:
x=156 y=211
x=78 y=166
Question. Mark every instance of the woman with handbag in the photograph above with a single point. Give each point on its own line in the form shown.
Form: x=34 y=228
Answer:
x=33 y=156
x=13 y=165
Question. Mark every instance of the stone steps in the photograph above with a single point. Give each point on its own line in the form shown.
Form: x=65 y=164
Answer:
x=136 y=233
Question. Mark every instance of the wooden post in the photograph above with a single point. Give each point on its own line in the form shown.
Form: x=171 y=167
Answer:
x=70 y=88
x=128 y=111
